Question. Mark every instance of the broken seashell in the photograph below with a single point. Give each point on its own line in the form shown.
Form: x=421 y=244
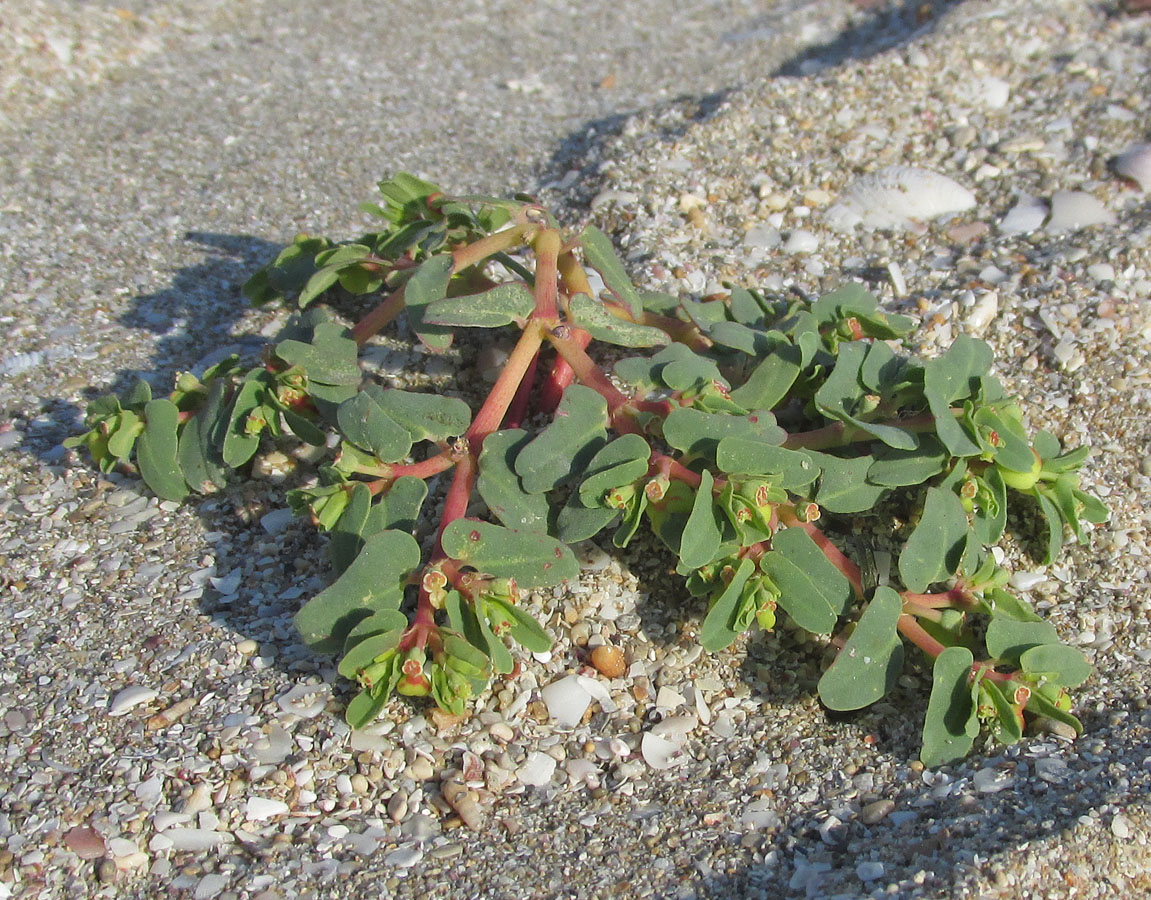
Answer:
x=897 y=197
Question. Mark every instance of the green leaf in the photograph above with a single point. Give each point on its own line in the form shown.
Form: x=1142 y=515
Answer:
x=1052 y=526
x=903 y=468
x=365 y=707
x=842 y=394
x=770 y=381
x=200 y=441
x=524 y=630
x=1056 y=664
x=568 y=444
x=531 y=558
x=239 y=445
x=750 y=341
x=427 y=417
x=619 y=462
x=881 y=369
x=594 y=318
x=330 y=357
x=364 y=652
x=844 y=487
x=794 y=469
x=304 y=428
x=647 y=371
x=718 y=629
x=500 y=305
x=746 y=306
x=500 y=486
x=157 y=449
x=123 y=439
x=348 y=533
x=991 y=516
x=1040 y=705
x=377 y=623
x=1008 y=639
x=363 y=422
x=935 y=547
x=703 y=532
x=870 y=662
x=428 y=284
x=813 y=591
x=846 y=299
x=399 y=508
x=955 y=376
x=698 y=433
x=576 y=522
x=320 y=282
x=374 y=581
x=951 y=725
x=601 y=256
x=999 y=602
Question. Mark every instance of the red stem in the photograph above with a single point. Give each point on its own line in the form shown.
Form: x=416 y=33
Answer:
x=522 y=400
x=917 y=634
x=390 y=307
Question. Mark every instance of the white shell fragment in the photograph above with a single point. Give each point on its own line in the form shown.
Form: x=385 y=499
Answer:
x=989 y=92
x=897 y=197
x=1135 y=163
x=566 y=700
x=130 y=697
x=1071 y=210
x=537 y=769
x=661 y=753
x=257 y=809
x=305 y=700
x=1025 y=216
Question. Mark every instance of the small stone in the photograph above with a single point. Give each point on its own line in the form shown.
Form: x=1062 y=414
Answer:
x=1120 y=827
x=1072 y=210
x=609 y=661
x=403 y=857
x=876 y=812
x=869 y=871
x=421 y=769
x=210 y=886
x=85 y=842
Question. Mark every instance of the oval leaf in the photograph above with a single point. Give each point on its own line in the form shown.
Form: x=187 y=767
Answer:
x=718 y=629
x=935 y=547
x=594 y=318
x=813 y=591
x=951 y=724
x=157 y=449
x=870 y=662
x=531 y=558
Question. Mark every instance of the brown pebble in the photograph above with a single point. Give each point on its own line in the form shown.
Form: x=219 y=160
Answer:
x=876 y=812
x=609 y=661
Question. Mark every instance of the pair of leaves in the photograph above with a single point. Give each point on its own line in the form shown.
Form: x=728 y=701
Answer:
x=386 y=422
x=373 y=583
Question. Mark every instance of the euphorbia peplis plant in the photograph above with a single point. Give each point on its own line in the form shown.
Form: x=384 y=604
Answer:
x=751 y=442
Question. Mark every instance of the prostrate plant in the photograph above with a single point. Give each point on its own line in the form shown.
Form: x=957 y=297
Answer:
x=751 y=443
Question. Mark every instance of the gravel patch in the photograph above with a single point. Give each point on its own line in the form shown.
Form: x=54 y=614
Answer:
x=164 y=731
